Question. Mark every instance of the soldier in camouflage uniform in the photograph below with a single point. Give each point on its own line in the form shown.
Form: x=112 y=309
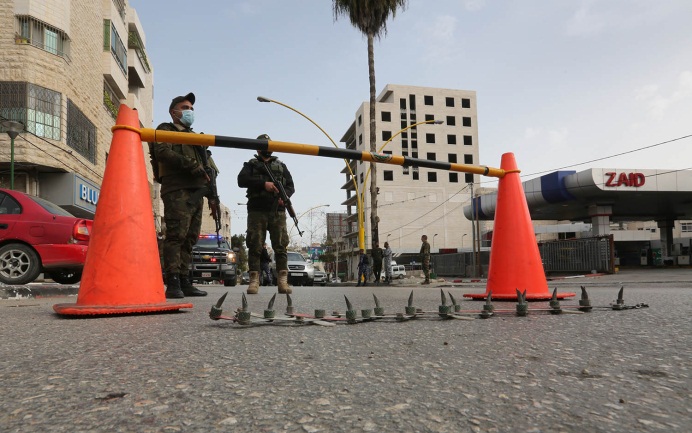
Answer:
x=180 y=170
x=266 y=211
x=425 y=258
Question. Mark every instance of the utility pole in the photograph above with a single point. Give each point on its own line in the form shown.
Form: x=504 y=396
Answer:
x=473 y=233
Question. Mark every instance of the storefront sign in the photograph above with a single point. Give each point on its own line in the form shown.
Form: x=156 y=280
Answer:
x=625 y=179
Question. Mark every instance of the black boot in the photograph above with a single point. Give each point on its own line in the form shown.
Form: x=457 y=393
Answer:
x=188 y=289
x=173 y=290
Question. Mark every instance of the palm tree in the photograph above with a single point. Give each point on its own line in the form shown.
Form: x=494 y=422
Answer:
x=370 y=17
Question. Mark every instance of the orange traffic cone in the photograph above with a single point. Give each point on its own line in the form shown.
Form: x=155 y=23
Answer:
x=515 y=262
x=122 y=272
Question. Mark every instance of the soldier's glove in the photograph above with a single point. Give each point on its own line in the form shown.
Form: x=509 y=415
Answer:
x=199 y=171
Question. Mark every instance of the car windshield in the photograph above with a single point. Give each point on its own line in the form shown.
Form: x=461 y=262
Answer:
x=295 y=257
x=210 y=242
x=50 y=207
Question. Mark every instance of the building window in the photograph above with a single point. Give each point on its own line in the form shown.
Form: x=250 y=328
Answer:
x=404 y=144
x=468 y=178
x=429 y=117
x=112 y=42
x=40 y=35
x=415 y=175
x=428 y=100
x=468 y=159
x=451 y=139
x=432 y=176
x=360 y=138
x=386 y=116
x=405 y=170
x=81 y=133
x=430 y=156
x=361 y=178
x=466 y=121
x=412 y=102
x=468 y=140
x=386 y=135
x=360 y=120
x=454 y=177
x=43 y=112
x=430 y=138
x=414 y=154
x=388 y=175
x=449 y=101
x=414 y=144
x=34 y=106
x=465 y=103
x=452 y=157
x=110 y=100
x=686 y=227
x=413 y=118
x=451 y=121
x=402 y=103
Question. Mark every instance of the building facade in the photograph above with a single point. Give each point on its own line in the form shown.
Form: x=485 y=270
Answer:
x=65 y=68
x=414 y=201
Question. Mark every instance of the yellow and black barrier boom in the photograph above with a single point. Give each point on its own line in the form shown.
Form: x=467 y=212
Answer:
x=155 y=135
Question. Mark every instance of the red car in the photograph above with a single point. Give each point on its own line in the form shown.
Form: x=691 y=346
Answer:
x=39 y=236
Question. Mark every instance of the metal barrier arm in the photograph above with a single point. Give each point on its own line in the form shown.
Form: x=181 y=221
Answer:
x=153 y=135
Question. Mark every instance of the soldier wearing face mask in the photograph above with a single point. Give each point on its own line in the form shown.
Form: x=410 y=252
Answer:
x=180 y=170
x=266 y=212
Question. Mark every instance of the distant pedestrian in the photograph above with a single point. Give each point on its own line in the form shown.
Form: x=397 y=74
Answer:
x=265 y=261
x=425 y=258
x=376 y=263
x=363 y=268
x=387 y=254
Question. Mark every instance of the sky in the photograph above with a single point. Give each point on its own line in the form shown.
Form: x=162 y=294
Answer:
x=567 y=84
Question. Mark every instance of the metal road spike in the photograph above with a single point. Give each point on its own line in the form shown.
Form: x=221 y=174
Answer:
x=554 y=298
x=518 y=296
x=584 y=295
x=489 y=298
x=451 y=299
x=377 y=301
x=244 y=303
x=443 y=298
x=410 y=299
x=221 y=299
x=348 y=304
x=271 y=302
x=620 y=299
x=289 y=301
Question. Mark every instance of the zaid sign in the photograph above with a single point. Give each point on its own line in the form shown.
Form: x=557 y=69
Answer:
x=633 y=179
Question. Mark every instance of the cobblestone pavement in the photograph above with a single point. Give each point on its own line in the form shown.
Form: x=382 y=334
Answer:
x=604 y=371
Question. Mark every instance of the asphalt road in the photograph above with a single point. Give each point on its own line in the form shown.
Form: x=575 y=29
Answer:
x=604 y=371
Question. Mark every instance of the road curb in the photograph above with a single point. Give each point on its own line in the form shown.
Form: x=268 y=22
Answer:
x=37 y=291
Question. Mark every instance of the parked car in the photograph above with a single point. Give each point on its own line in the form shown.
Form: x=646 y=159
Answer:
x=245 y=278
x=39 y=236
x=300 y=271
x=320 y=278
x=398 y=271
x=211 y=262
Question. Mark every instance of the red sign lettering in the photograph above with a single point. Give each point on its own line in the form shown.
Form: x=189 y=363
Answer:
x=625 y=179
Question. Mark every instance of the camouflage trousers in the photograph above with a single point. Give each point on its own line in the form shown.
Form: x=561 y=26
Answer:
x=183 y=223
x=258 y=223
x=426 y=267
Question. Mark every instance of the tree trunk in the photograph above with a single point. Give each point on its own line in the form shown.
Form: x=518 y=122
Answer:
x=374 y=220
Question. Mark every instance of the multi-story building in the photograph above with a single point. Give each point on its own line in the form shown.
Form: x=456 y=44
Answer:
x=414 y=201
x=65 y=68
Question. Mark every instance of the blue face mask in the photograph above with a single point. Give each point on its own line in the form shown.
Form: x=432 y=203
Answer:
x=187 y=117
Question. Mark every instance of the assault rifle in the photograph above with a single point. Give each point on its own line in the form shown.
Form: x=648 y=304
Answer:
x=211 y=192
x=282 y=195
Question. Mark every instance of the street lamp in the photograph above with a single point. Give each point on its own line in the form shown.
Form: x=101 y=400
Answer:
x=434 y=241
x=462 y=241
x=301 y=215
x=359 y=203
x=13 y=130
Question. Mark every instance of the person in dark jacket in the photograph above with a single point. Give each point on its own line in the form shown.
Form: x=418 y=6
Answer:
x=181 y=171
x=266 y=212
